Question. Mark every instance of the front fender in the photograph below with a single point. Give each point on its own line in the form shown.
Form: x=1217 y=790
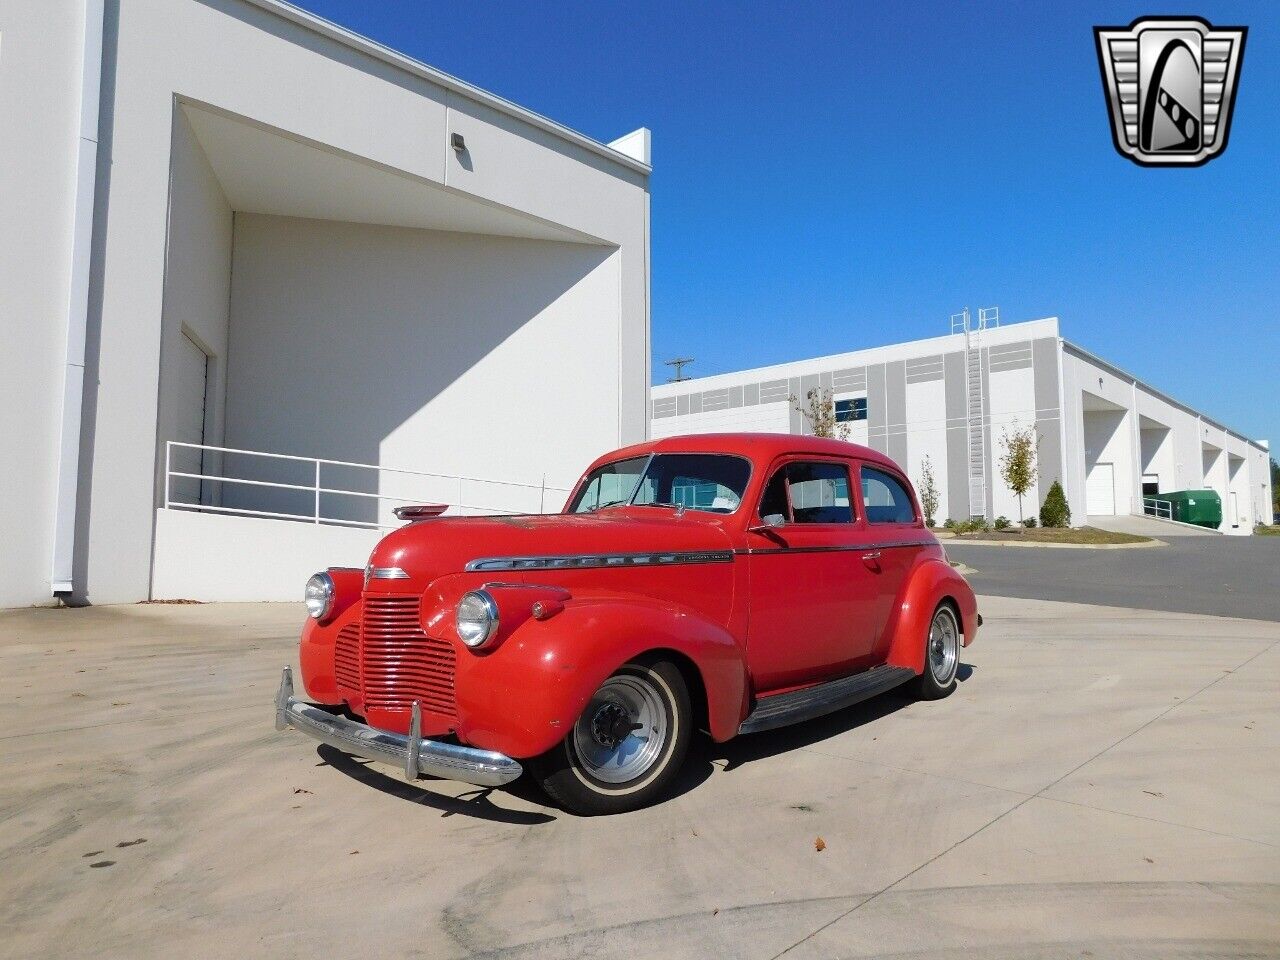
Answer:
x=929 y=583
x=316 y=653
x=526 y=695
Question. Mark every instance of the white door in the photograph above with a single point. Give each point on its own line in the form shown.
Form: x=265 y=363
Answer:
x=192 y=376
x=1235 y=511
x=1100 y=491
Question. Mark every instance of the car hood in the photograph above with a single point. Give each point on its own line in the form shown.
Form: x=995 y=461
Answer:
x=432 y=548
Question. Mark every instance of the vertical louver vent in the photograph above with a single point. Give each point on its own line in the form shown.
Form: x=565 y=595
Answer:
x=346 y=664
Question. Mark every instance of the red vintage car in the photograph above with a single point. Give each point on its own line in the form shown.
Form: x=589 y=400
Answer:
x=733 y=583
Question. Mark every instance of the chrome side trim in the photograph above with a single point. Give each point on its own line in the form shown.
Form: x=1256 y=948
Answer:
x=596 y=560
x=385 y=573
x=413 y=754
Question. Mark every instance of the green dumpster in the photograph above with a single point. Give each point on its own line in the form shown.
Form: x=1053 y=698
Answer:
x=1201 y=507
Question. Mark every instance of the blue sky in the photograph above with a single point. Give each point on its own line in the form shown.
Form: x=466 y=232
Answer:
x=835 y=176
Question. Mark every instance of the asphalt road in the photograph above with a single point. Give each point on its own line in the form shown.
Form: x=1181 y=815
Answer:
x=1218 y=576
x=1102 y=784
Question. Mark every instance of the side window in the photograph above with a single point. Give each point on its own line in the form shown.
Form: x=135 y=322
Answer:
x=819 y=493
x=773 y=505
x=885 y=498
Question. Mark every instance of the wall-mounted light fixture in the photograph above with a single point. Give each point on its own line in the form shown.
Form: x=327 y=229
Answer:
x=458 y=142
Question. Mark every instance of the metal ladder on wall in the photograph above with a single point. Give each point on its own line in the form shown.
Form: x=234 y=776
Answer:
x=976 y=399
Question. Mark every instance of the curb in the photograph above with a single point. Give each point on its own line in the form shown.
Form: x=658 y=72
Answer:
x=956 y=541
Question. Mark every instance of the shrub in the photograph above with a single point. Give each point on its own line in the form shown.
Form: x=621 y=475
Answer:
x=1029 y=522
x=1055 y=512
x=1002 y=523
x=948 y=524
x=972 y=525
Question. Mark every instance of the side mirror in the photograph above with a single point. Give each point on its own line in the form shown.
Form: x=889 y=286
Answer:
x=772 y=523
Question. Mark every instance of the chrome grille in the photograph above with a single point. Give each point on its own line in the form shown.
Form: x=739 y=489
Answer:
x=399 y=662
x=346 y=659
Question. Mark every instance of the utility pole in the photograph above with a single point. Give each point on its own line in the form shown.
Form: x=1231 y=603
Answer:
x=679 y=364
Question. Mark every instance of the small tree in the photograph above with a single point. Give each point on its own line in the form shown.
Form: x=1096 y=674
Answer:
x=819 y=412
x=1055 y=512
x=928 y=491
x=1018 y=463
x=1275 y=486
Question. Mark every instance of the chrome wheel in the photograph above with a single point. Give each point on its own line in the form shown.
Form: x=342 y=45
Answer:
x=622 y=732
x=944 y=646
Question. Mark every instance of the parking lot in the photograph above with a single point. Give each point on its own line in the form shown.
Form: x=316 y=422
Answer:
x=1226 y=576
x=1103 y=781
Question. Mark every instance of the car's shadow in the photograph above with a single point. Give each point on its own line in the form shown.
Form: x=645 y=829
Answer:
x=474 y=803
x=704 y=755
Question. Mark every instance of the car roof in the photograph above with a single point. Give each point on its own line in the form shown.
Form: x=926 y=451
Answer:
x=756 y=446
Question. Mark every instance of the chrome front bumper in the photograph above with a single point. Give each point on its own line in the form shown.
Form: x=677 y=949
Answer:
x=418 y=757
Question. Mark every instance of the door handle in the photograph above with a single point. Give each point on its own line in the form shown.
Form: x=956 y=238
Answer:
x=872 y=556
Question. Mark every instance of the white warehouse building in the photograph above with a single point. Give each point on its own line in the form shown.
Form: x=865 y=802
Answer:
x=1107 y=436
x=264 y=279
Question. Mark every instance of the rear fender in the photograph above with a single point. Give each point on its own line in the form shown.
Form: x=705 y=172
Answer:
x=523 y=697
x=929 y=583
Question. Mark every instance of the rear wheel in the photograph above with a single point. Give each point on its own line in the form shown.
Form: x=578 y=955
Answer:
x=941 y=655
x=626 y=747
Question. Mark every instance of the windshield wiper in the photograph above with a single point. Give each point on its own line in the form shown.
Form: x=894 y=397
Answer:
x=608 y=503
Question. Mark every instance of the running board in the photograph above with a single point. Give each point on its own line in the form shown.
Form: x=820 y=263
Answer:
x=784 y=709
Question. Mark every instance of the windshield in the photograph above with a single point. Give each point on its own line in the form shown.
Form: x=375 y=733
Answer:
x=696 y=481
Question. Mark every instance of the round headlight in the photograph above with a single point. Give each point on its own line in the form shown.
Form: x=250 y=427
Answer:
x=319 y=595
x=477 y=619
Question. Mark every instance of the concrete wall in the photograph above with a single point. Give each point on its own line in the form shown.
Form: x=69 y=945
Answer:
x=200 y=556
x=483 y=352
x=159 y=213
x=1156 y=442
x=197 y=293
x=40 y=58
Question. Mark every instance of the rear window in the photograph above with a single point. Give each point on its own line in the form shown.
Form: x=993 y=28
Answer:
x=884 y=498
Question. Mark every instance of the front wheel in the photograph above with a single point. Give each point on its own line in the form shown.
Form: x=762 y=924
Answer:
x=941 y=655
x=626 y=747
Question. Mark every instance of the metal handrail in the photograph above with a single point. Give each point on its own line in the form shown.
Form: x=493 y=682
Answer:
x=1155 y=507
x=349 y=463
x=317 y=489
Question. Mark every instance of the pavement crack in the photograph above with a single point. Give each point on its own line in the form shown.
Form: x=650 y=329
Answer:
x=1027 y=799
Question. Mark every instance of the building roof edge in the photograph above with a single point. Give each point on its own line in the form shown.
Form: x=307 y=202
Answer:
x=327 y=28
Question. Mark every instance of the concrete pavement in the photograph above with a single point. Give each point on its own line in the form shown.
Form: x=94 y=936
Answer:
x=1103 y=784
x=1150 y=527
